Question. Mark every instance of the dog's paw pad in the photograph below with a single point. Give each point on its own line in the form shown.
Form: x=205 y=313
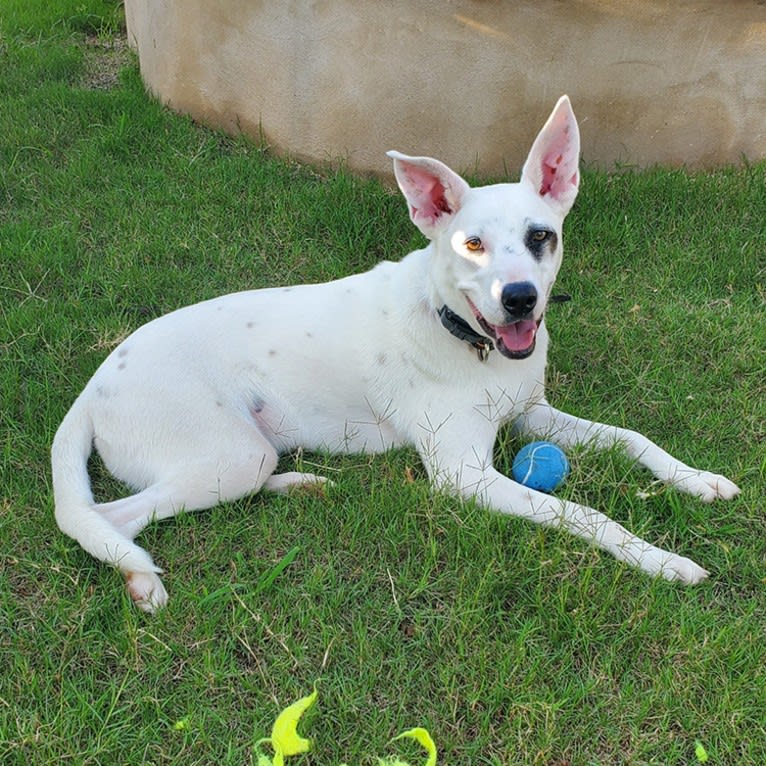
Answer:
x=147 y=591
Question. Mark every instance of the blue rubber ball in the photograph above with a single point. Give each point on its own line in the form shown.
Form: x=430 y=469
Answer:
x=540 y=465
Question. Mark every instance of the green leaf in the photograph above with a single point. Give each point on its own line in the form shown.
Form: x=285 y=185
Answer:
x=266 y=580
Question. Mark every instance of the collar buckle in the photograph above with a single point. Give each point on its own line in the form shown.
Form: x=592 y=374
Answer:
x=483 y=349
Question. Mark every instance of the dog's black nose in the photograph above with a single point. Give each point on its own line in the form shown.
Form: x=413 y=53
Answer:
x=519 y=299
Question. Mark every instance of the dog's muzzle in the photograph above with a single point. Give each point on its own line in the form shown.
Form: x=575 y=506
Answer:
x=516 y=338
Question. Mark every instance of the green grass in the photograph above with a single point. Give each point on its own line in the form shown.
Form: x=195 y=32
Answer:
x=512 y=644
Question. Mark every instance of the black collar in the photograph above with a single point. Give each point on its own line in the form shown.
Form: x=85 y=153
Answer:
x=462 y=330
x=456 y=325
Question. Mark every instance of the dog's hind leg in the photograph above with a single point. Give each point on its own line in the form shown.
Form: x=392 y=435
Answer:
x=192 y=485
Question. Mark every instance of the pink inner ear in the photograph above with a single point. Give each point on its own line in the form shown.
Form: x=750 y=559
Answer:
x=556 y=175
x=426 y=194
x=551 y=164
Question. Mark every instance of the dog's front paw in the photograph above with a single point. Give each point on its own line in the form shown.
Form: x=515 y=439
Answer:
x=675 y=568
x=706 y=486
x=147 y=591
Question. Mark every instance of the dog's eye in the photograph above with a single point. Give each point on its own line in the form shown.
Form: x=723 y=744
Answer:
x=473 y=244
x=540 y=235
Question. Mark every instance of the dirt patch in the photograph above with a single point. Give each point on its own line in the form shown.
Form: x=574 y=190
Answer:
x=105 y=57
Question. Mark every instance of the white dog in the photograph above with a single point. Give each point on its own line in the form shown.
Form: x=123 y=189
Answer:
x=436 y=351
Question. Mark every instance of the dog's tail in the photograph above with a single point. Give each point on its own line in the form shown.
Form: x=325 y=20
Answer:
x=76 y=514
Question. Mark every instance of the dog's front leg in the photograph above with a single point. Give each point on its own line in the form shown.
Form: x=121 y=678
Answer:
x=544 y=421
x=459 y=460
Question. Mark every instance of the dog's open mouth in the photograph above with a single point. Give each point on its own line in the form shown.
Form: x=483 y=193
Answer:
x=515 y=340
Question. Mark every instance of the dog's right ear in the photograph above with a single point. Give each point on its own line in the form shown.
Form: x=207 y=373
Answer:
x=433 y=192
x=552 y=168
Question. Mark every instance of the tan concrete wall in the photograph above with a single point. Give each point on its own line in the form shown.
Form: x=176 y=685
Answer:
x=671 y=82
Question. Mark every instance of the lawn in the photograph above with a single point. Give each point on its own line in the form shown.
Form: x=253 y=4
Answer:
x=511 y=643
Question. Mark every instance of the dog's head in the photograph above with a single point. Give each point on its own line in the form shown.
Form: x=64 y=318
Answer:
x=497 y=249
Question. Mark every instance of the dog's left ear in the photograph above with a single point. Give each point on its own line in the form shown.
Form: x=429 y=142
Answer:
x=433 y=192
x=552 y=167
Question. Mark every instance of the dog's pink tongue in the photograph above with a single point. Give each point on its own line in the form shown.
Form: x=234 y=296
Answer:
x=518 y=336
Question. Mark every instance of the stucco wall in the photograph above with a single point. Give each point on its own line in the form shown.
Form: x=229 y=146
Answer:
x=671 y=82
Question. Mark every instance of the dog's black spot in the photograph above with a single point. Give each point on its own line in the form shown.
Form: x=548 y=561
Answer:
x=309 y=335
x=122 y=352
x=121 y=366
x=272 y=352
x=250 y=325
x=381 y=359
x=287 y=289
x=257 y=405
x=540 y=240
x=384 y=312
